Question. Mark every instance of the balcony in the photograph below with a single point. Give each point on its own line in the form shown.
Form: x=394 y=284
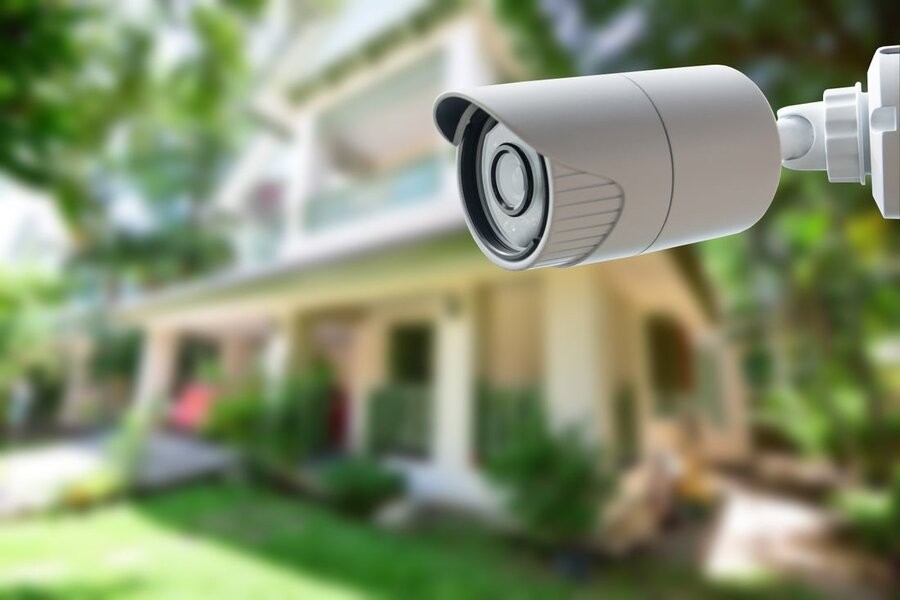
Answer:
x=413 y=184
x=262 y=226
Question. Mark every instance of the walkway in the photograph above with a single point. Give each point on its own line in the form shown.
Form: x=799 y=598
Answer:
x=760 y=533
x=32 y=479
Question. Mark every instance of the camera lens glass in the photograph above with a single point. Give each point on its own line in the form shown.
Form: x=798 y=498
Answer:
x=504 y=188
x=511 y=179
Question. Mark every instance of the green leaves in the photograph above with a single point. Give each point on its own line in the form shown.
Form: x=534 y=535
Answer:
x=553 y=482
x=533 y=39
x=60 y=94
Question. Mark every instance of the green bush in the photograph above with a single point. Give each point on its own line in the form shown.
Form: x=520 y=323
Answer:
x=795 y=419
x=400 y=420
x=237 y=419
x=297 y=427
x=500 y=413
x=554 y=483
x=874 y=517
x=359 y=486
x=838 y=425
x=117 y=354
x=279 y=430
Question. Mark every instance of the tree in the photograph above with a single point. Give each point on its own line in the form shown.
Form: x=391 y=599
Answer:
x=172 y=154
x=813 y=285
x=95 y=110
x=64 y=83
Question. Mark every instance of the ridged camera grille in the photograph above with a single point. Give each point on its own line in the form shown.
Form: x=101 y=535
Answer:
x=586 y=209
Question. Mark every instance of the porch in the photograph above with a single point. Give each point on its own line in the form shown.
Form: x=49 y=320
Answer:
x=434 y=354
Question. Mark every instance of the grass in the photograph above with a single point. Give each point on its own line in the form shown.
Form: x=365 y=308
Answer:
x=230 y=541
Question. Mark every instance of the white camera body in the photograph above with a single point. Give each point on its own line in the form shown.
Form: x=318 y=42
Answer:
x=570 y=171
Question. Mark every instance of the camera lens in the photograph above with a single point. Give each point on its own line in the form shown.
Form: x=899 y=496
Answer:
x=511 y=180
x=504 y=188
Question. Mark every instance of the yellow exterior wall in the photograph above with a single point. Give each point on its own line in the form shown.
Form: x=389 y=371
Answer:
x=512 y=321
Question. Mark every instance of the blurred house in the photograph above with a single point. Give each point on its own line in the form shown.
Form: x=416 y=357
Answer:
x=351 y=248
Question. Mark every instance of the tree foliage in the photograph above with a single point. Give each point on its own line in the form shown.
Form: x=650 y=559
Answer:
x=64 y=83
x=814 y=285
x=103 y=108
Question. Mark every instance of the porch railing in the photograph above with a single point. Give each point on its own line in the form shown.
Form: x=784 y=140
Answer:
x=400 y=420
x=412 y=184
x=500 y=415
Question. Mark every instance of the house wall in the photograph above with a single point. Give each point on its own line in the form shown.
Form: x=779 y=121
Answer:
x=575 y=332
x=447 y=473
x=576 y=350
x=512 y=333
x=716 y=396
x=462 y=52
x=370 y=353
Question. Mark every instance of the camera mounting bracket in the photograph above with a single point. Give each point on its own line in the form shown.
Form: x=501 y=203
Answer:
x=851 y=133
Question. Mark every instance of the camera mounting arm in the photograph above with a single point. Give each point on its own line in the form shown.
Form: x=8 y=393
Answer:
x=851 y=133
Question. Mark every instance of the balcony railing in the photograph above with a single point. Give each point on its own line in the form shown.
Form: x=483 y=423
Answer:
x=412 y=184
x=400 y=420
x=261 y=243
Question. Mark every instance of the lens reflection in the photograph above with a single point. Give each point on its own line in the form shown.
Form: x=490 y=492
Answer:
x=510 y=180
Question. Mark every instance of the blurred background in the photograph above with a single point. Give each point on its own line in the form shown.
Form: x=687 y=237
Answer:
x=248 y=348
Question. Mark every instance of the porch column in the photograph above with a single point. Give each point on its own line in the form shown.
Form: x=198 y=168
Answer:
x=734 y=395
x=454 y=382
x=77 y=394
x=575 y=351
x=465 y=64
x=306 y=176
x=369 y=347
x=235 y=358
x=157 y=367
x=277 y=354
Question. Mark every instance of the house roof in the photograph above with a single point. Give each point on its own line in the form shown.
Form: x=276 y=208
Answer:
x=427 y=256
x=361 y=30
x=358 y=23
x=434 y=247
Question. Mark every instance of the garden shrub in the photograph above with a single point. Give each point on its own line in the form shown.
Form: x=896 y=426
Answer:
x=278 y=430
x=554 y=482
x=874 y=516
x=359 y=486
x=236 y=419
x=297 y=427
x=798 y=421
x=500 y=413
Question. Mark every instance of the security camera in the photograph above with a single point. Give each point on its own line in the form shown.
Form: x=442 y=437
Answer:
x=571 y=171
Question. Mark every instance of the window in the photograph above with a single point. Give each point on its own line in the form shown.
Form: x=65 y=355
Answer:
x=400 y=415
x=709 y=386
x=671 y=363
x=410 y=354
x=265 y=200
x=627 y=434
x=264 y=225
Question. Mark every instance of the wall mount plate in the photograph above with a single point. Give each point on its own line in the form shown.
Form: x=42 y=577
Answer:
x=884 y=129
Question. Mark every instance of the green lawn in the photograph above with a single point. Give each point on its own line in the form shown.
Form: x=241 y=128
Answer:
x=230 y=541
